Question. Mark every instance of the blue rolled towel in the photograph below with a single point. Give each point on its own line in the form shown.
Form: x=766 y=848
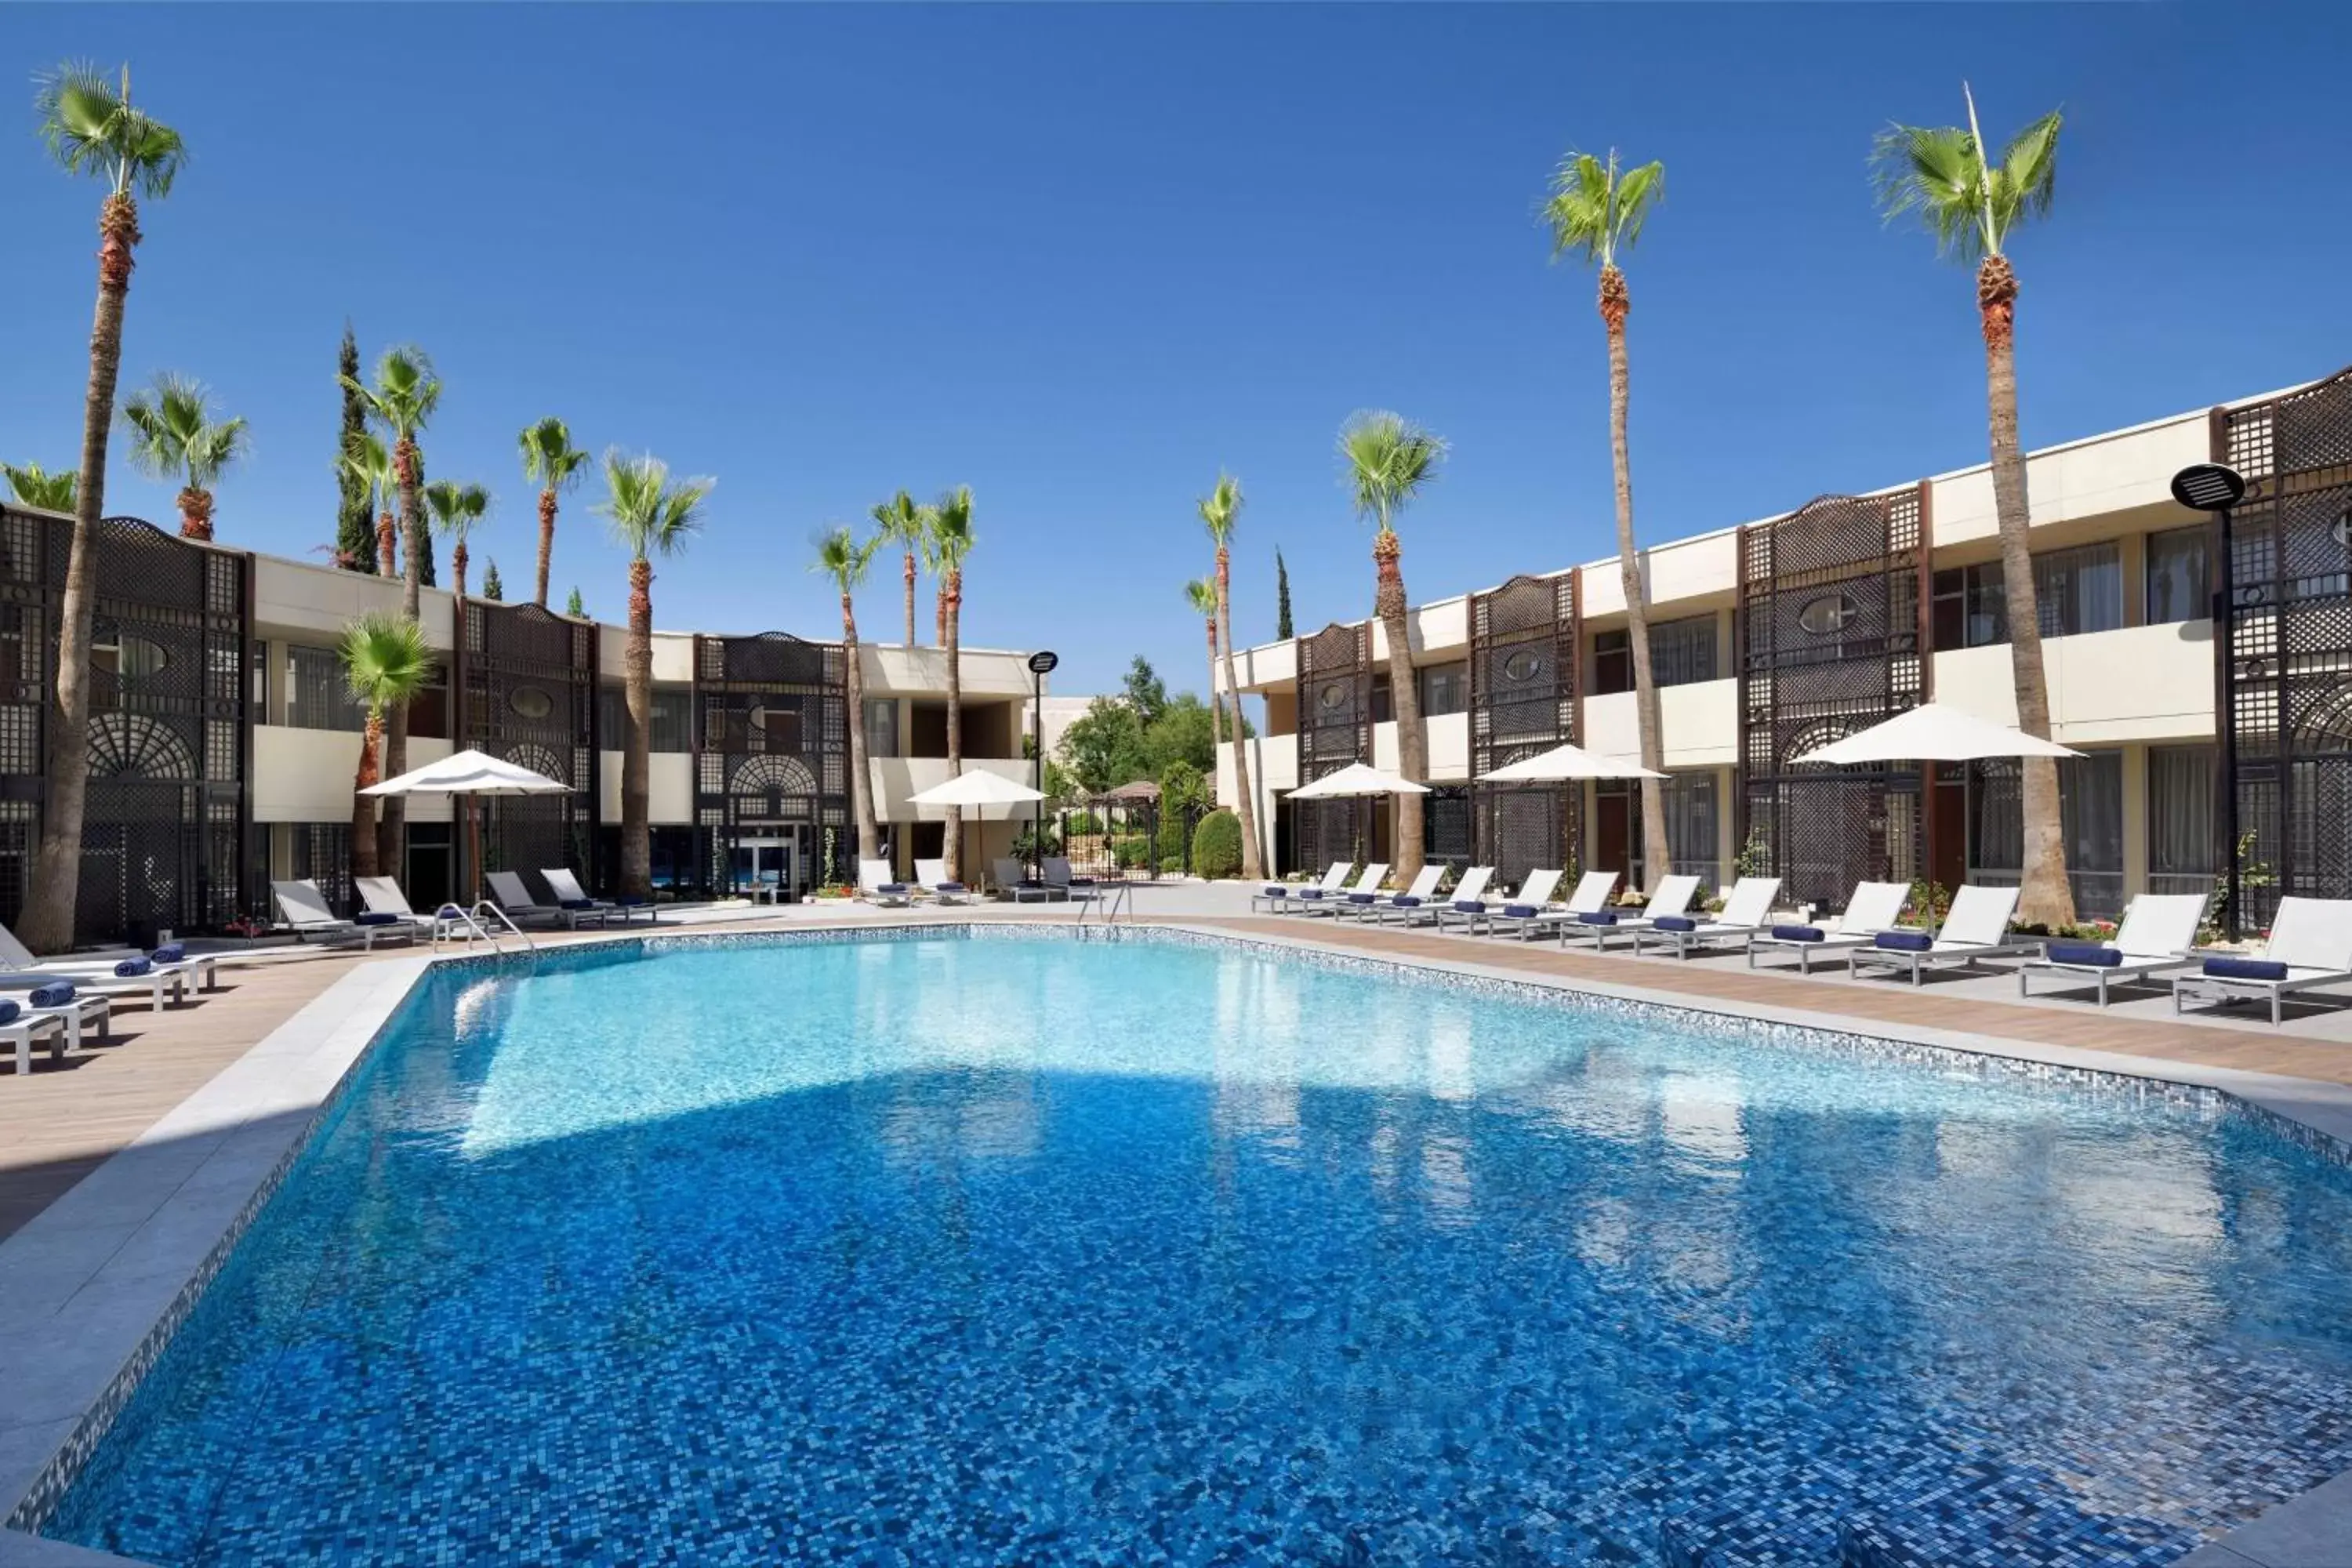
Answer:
x=1797 y=933
x=2083 y=952
x=637 y=901
x=2246 y=969
x=133 y=968
x=579 y=903
x=1905 y=940
x=1313 y=893
x=26 y=982
x=448 y=912
x=57 y=994
x=1676 y=923
x=1404 y=901
x=8 y=1010
x=1081 y=881
x=949 y=887
x=1363 y=898
x=170 y=952
x=1469 y=907
x=1026 y=882
x=1273 y=892
x=885 y=888
x=375 y=918
x=1521 y=912
x=1597 y=918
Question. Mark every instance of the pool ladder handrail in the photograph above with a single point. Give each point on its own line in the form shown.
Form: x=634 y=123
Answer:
x=481 y=923
x=1112 y=903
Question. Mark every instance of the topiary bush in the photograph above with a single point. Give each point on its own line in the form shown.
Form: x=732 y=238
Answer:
x=1217 y=846
x=1170 y=851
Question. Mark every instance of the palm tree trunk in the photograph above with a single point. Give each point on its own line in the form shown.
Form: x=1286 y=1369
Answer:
x=391 y=829
x=46 y=924
x=1216 y=703
x=364 y=858
x=1245 y=803
x=458 y=564
x=1657 y=852
x=1406 y=853
x=939 y=639
x=951 y=637
x=2045 y=896
x=910 y=598
x=861 y=787
x=387 y=553
x=196 y=514
x=546 y=543
x=636 y=755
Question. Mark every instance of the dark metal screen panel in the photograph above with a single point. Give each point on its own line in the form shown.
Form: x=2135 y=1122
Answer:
x=771 y=749
x=1829 y=634
x=1523 y=691
x=2290 y=674
x=1335 y=730
x=527 y=693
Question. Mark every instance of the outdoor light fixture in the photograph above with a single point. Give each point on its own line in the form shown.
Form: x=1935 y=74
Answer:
x=2217 y=487
x=1041 y=665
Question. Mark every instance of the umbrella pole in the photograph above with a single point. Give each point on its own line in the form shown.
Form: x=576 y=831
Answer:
x=474 y=846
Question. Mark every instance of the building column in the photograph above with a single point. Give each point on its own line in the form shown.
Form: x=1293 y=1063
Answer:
x=2135 y=770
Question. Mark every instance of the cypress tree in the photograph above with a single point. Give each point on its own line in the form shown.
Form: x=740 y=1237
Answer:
x=1281 y=599
x=354 y=527
x=492 y=587
x=424 y=575
x=575 y=609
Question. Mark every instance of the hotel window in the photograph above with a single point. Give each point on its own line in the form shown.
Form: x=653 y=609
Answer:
x=2091 y=823
x=1690 y=825
x=317 y=695
x=1383 y=710
x=881 y=728
x=1680 y=652
x=673 y=718
x=1444 y=688
x=1613 y=663
x=2074 y=592
x=2179 y=579
x=2180 y=815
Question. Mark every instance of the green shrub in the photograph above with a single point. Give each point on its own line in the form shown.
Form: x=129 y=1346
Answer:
x=1171 y=841
x=1081 y=825
x=1217 y=846
x=1128 y=851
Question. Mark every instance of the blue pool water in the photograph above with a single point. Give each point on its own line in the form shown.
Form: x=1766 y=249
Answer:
x=1023 y=1250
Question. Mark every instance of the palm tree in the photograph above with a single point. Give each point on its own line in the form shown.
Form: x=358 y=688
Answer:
x=904 y=523
x=33 y=487
x=841 y=557
x=651 y=514
x=386 y=662
x=456 y=509
x=1386 y=458
x=935 y=565
x=403 y=397
x=1596 y=210
x=370 y=466
x=552 y=462
x=91 y=129
x=951 y=539
x=1221 y=510
x=1200 y=592
x=1971 y=206
x=173 y=434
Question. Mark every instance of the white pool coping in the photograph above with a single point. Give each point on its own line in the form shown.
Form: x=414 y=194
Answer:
x=92 y=1286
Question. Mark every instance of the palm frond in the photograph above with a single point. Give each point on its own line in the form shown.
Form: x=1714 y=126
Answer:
x=387 y=661
x=650 y=513
x=902 y=520
x=842 y=557
x=550 y=460
x=175 y=435
x=90 y=128
x=366 y=460
x=455 y=509
x=2026 y=180
x=1200 y=592
x=405 y=394
x=1596 y=208
x=1385 y=459
x=1221 y=509
x=1939 y=172
x=950 y=529
x=33 y=486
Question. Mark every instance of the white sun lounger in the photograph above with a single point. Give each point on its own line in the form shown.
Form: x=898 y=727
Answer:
x=1530 y=912
x=1470 y=889
x=91 y=1011
x=1368 y=882
x=1873 y=908
x=1976 y=926
x=1671 y=901
x=1743 y=912
x=382 y=897
x=2157 y=934
x=508 y=892
x=2310 y=945
x=1016 y=887
x=1058 y=878
x=1277 y=899
x=569 y=894
x=877 y=885
x=302 y=910
x=202 y=967
x=931 y=877
x=30 y=1025
x=1368 y=906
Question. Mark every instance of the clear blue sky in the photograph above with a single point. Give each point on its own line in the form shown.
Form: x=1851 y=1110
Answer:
x=1081 y=258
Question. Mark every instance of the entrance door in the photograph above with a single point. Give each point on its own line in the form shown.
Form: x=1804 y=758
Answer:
x=1613 y=832
x=766 y=868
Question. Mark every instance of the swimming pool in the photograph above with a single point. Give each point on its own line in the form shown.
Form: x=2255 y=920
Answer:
x=1010 y=1248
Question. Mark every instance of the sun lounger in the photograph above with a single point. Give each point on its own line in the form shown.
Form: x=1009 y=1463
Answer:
x=1976 y=927
x=1021 y=890
x=382 y=897
x=302 y=910
x=931 y=877
x=570 y=895
x=2157 y=934
x=1527 y=912
x=508 y=892
x=878 y=885
x=1279 y=900
x=1743 y=913
x=1873 y=908
x=1470 y=889
x=1058 y=878
x=201 y=967
x=1670 y=903
x=1368 y=906
x=1367 y=881
x=2310 y=945
x=89 y=1010
x=21 y=1031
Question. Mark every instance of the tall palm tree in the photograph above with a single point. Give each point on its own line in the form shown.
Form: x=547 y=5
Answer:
x=378 y=482
x=652 y=514
x=1200 y=592
x=174 y=436
x=935 y=565
x=1385 y=460
x=951 y=539
x=841 y=556
x=1971 y=205
x=903 y=523
x=552 y=462
x=1596 y=210
x=386 y=662
x=33 y=487
x=1221 y=510
x=456 y=509
x=90 y=128
x=402 y=399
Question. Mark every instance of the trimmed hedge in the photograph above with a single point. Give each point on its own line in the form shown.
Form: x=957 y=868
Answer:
x=1217 y=846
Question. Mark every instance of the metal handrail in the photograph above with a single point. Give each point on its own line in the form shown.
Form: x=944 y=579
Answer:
x=1111 y=903
x=478 y=928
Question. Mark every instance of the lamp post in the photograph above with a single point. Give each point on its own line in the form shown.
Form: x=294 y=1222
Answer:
x=2217 y=487
x=1041 y=665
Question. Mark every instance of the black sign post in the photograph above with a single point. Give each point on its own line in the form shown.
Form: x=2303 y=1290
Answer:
x=1041 y=665
x=2216 y=488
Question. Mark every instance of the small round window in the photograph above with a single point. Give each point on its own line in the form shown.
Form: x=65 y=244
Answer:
x=531 y=703
x=140 y=659
x=1830 y=613
x=1522 y=666
x=2344 y=528
x=1332 y=696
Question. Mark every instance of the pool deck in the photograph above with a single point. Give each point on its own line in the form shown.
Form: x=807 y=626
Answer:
x=125 y=1167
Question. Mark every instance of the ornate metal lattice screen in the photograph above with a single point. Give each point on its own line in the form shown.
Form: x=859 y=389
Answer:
x=1335 y=730
x=2291 y=628
x=1523 y=639
x=164 y=832
x=771 y=751
x=527 y=692
x=1829 y=600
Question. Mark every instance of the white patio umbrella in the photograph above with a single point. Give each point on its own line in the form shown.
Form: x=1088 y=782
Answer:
x=1933 y=732
x=978 y=787
x=1564 y=762
x=471 y=774
x=1354 y=780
